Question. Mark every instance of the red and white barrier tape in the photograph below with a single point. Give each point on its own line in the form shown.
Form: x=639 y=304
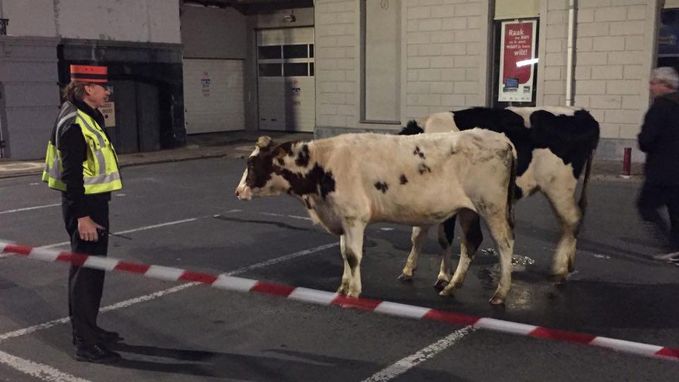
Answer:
x=329 y=298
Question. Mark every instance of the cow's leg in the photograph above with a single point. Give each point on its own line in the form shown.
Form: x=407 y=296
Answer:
x=567 y=211
x=346 y=273
x=417 y=238
x=352 y=253
x=446 y=234
x=500 y=227
x=471 y=239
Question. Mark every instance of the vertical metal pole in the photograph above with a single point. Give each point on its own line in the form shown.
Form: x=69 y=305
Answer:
x=570 y=53
x=627 y=163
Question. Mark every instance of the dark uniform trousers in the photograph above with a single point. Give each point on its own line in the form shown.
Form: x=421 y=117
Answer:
x=85 y=285
x=652 y=198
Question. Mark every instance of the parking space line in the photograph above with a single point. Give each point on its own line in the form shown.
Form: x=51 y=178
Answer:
x=37 y=370
x=29 y=208
x=165 y=292
x=420 y=356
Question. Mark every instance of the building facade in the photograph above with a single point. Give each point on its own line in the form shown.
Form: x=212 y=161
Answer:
x=329 y=66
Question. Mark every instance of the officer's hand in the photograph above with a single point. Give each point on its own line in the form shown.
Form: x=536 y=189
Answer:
x=87 y=229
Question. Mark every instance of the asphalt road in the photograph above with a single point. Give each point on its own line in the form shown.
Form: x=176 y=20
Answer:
x=184 y=214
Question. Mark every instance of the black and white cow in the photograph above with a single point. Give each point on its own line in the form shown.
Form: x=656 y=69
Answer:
x=553 y=144
x=349 y=181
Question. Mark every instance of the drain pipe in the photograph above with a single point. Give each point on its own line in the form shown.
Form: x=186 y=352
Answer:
x=570 y=53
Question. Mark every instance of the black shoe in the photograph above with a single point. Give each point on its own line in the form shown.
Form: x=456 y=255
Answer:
x=96 y=354
x=108 y=336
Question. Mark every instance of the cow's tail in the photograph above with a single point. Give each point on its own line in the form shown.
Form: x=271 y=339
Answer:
x=511 y=187
x=412 y=128
x=582 y=203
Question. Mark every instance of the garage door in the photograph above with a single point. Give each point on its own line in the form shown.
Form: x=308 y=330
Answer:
x=213 y=95
x=286 y=87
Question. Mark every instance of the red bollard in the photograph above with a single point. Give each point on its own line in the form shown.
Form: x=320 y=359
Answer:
x=627 y=163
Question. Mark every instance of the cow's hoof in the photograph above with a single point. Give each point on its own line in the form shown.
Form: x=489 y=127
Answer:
x=343 y=291
x=440 y=284
x=496 y=300
x=405 y=278
x=447 y=292
x=559 y=279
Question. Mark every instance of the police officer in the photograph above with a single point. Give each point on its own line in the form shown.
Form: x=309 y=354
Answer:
x=82 y=164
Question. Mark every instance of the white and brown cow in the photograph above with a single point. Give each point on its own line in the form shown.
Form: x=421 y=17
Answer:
x=553 y=144
x=349 y=181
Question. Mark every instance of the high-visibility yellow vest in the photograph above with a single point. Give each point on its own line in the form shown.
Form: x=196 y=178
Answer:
x=100 y=168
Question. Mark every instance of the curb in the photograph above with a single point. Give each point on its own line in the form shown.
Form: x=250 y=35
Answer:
x=325 y=298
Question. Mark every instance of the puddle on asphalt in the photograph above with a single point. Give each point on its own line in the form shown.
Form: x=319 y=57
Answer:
x=519 y=262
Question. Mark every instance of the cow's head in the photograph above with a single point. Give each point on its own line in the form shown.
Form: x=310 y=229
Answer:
x=260 y=177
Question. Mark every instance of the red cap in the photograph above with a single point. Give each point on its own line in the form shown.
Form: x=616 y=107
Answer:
x=89 y=73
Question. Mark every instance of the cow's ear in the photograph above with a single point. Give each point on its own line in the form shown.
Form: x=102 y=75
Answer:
x=264 y=142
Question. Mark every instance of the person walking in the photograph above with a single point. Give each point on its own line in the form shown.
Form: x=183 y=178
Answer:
x=82 y=163
x=659 y=139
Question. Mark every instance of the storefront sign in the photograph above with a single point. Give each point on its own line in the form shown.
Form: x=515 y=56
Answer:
x=517 y=61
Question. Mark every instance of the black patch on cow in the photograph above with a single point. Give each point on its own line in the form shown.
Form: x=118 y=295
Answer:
x=382 y=186
x=302 y=159
x=501 y=121
x=419 y=152
x=571 y=138
x=403 y=179
x=422 y=168
x=411 y=129
x=317 y=181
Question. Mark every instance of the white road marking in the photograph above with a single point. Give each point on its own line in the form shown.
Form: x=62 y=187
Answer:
x=286 y=216
x=29 y=208
x=37 y=370
x=48 y=373
x=422 y=355
x=165 y=292
x=144 y=228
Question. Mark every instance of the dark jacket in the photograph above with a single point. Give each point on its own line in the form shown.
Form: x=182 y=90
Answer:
x=73 y=153
x=659 y=139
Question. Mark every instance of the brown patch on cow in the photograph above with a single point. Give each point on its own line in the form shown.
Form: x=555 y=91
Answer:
x=302 y=159
x=419 y=152
x=422 y=168
x=352 y=260
x=382 y=186
x=403 y=179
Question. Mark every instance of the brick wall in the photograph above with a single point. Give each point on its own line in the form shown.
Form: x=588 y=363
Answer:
x=612 y=63
x=444 y=60
x=445 y=49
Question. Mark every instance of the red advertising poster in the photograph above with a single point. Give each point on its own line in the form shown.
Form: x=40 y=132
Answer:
x=517 y=61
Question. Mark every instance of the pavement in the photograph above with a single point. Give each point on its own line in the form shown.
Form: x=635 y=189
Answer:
x=239 y=144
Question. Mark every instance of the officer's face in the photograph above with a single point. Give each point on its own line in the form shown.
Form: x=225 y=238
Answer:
x=96 y=95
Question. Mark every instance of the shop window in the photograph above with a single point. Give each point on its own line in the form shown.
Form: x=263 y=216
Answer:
x=668 y=38
x=269 y=52
x=296 y=51
x=270 y=70
x=296 y=69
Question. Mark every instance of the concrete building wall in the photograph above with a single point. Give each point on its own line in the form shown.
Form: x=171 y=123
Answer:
x=29 y=97
x=213 y=32
x=614 y=53
x=122 y=20
x=446 y=62
x=446 y=55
